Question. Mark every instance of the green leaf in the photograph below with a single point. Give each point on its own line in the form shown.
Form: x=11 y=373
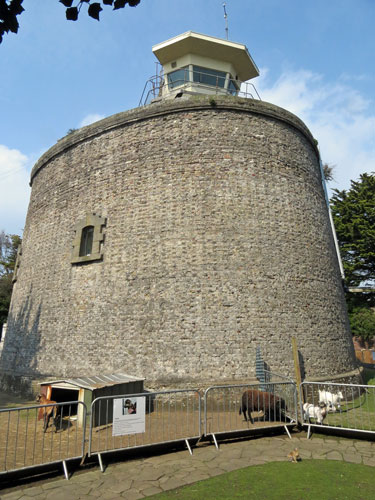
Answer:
x=107 y=2
x=15 y=7
x=12 y=23
x=94 y=10
x=3 y=9
x=66 y=3
x=119 y=4
x=3 y=28
x=72 y=14
x=133 y=3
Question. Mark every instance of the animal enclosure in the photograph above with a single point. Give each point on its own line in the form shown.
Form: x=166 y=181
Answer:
x=169 y=417
x=354 y=411
x=23 y=443
x=222 y=406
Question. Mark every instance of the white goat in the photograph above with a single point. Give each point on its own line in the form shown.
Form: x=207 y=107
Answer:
x=317 y=412
x=330 y=399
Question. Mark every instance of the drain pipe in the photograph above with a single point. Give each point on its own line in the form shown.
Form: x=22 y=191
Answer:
x=331 y=220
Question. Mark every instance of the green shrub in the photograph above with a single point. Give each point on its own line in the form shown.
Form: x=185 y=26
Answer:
x=362 y=322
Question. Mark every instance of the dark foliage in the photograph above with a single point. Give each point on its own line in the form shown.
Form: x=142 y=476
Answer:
x=353 y=213
x=10 y=9
x=9 y=244
x=328 y=172
x=362 y=322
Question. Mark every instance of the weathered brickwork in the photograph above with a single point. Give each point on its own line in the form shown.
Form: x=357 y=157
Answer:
x=217 y=240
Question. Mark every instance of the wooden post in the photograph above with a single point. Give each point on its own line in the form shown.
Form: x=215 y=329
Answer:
x=297 y=369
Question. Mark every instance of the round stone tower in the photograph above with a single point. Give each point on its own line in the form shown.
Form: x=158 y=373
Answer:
x=169 y=241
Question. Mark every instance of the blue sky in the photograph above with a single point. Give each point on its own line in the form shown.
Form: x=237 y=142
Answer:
x=316 y=59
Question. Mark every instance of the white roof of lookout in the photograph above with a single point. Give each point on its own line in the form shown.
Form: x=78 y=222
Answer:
x=208 y=46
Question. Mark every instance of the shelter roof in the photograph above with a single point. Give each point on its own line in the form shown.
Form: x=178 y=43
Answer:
x=95 y=381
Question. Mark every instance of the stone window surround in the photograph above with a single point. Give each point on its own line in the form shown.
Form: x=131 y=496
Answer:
x=97 y=248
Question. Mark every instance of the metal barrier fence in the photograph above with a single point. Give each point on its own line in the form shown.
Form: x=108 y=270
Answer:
x=24 y=444
x=348 y=407
x=144 y=419
x=139 y=420
x=269 y=405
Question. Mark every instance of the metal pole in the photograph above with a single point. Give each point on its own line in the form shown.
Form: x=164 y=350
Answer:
x=341 y=267
x=226 y=19
x=297 y=367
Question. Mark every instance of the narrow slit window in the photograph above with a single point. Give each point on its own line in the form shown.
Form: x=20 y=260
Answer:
x=86 y=241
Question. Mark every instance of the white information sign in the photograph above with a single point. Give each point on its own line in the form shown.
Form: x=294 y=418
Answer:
x=129 y=415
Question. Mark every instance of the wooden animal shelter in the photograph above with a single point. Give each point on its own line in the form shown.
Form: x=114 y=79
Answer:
x=87 y=389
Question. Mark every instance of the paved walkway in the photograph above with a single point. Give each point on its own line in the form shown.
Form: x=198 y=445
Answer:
x=140 y=478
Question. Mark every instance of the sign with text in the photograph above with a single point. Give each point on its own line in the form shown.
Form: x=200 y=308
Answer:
x=129 y=416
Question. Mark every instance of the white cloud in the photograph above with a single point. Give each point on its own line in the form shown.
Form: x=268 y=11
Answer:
x=91 y=118
x=14 y=189
x=338 y=116
x=14 y=184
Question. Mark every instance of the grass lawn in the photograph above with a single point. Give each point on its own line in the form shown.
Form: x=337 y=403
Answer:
x=307 y=480
x=359 y=413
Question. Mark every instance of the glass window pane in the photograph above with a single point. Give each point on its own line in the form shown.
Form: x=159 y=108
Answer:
x=232 y=87
x=178 y=77
x=209 y=76
x=86 y=241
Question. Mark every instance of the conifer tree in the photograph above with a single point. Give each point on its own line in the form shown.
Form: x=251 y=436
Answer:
x=353 y=213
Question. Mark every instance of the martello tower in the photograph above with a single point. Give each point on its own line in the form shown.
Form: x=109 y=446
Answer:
x=170 y=240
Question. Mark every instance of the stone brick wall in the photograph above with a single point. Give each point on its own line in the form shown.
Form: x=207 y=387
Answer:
x=217 y=240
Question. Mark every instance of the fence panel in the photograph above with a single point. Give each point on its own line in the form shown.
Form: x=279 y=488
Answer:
x=222 y=406
x=348 y=406
x=136 y=420
x=24 y=444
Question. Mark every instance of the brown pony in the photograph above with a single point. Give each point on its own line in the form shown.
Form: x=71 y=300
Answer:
x=48 y=412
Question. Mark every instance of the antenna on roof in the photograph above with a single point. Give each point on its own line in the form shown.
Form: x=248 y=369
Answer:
x=226 y=19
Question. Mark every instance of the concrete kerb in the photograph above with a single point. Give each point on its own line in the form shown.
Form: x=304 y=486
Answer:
x=145 y=476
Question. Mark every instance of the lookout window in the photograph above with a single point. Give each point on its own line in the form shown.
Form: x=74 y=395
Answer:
x=88 y=240
x=210 y=77
x=178 y=77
